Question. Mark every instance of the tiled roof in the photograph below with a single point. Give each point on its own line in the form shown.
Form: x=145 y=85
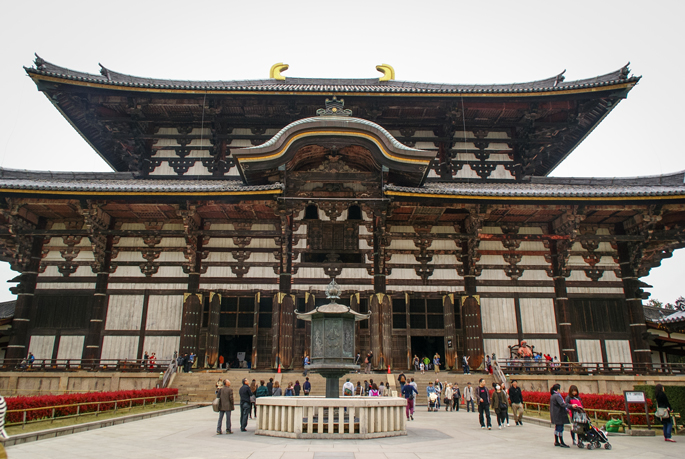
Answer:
x=7 y=309
x=678 y=316
x=117 y=182
x=664 y=185
x=362 y=85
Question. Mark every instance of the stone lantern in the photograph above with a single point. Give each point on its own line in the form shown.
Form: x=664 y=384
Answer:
x=332 y=352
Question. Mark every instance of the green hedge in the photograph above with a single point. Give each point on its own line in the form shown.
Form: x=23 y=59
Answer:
x=675 y=394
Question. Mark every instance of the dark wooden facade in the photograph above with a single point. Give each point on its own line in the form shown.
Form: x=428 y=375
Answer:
x=233 y=204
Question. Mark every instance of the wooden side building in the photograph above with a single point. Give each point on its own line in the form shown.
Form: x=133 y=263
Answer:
x=233 y=203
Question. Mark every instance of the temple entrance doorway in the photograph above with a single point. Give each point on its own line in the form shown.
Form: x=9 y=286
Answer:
x=427 y=346
x=236 y=350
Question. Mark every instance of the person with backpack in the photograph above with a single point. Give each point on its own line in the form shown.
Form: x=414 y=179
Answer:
x=289 y=391
x=373 y=391
x=409 y=393
x=348 y=388
x=402 y=380
x=307 y=386
x=501 y=404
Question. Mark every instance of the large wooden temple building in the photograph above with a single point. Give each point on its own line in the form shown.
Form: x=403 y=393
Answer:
x=232 y=204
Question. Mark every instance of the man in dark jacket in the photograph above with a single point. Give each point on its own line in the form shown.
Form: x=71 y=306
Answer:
x=516 y=402
x=483 y=397
x=226 y=405
x=245 y=404
x=270 y=386
x=307 y=387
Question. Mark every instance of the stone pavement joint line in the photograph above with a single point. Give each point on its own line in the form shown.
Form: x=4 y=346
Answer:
x=433 y=435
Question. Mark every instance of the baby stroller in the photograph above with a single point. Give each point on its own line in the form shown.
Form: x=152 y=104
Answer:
x=432 y=401
x=588 y=435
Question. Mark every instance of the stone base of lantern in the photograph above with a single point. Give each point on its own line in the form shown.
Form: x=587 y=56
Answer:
x=336 y=418
x=333 y=373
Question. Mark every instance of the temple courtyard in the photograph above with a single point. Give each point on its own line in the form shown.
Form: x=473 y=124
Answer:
x=191 y=434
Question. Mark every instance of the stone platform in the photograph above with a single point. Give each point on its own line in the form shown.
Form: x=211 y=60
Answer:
x=332 y=418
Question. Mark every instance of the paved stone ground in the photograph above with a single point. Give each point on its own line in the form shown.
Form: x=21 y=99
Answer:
x=191 y=435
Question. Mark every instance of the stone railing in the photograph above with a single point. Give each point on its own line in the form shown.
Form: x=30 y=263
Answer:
x=319 y=417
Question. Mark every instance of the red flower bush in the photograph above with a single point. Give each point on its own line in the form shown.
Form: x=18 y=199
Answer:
x=596 y=401
x=106 y=400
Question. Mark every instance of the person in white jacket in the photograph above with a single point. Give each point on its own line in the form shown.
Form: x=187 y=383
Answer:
x=348 y=389
x=469 y=398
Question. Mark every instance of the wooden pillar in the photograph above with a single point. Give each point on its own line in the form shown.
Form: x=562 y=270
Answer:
x=450 y=336
x=190 y=328
x=564 y=325
x=375 y=308
x=24 y=309
x=98 y=315
x=276 y=331
x=386 y=331
x=255 y=330
x=287 y=328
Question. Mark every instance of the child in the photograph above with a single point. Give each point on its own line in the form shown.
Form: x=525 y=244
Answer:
x=422 y=367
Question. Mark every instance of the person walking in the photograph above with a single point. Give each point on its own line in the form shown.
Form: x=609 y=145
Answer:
x=402 y=379
x=415 y=362
x=483 y=397
x=367 y=362
x=465 y=364
x=436 y=363
x=277 y=390
x=516 y=399
x=439 y=388
x=664 y=411
x=573 y=398
x=245 y=404
x=430 y=394
x=558 y=415
x=469 y=398
x=456 y=397
x=306 y=365
x=501 y=404
x=409 y=393
x=226 y=405
x=448 y=397
x=297 y=388
x=253 y=398
x=307 y=386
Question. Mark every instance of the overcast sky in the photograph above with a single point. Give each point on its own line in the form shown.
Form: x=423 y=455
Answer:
x=430 y=41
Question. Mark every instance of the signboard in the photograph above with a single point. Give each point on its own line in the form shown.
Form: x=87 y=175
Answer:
x=449 y=343
x=636 y=397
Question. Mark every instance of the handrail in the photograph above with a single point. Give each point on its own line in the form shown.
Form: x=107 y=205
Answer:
x=78 y=406
x=171 y=370
x=83 y=364
x=610 y=413
x=523 y=366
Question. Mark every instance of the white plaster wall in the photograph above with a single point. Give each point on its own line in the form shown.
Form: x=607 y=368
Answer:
x=537 y=315
x=70 y=347
x=162 y=346
x=119 y=347
x=589 y=350
x=41 y=346
x=164 y=312
x=124 y=312
x=498 y=315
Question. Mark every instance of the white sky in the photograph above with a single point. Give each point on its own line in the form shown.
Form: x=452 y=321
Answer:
x=431 y=41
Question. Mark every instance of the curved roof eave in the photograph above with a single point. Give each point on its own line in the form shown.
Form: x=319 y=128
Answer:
x=114 y=80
